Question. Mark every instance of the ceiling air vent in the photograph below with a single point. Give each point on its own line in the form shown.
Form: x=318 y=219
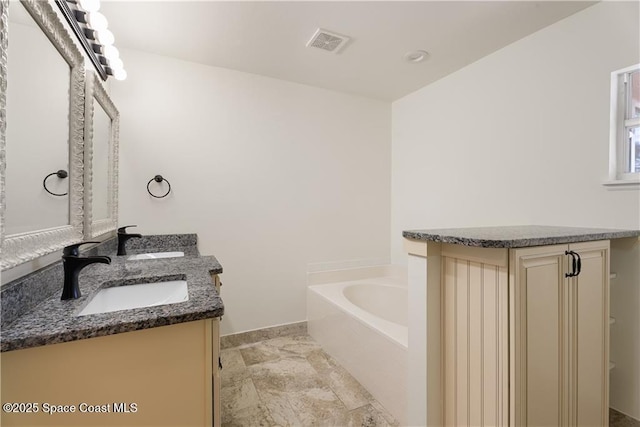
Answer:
x=327 y=40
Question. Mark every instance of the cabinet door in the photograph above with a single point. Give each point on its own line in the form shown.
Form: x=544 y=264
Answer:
x=590 y=294
x=539 y=345
x=165 y=371
x=560 y=338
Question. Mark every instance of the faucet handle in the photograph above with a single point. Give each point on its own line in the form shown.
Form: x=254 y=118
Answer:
x=72 y=250
x=123 y=230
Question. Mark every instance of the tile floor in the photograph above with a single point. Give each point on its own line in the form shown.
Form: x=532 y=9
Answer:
x=616 y=419
x=290 y=381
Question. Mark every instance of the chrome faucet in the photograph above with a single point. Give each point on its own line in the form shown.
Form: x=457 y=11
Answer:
x=123 y=236
x=73 y=263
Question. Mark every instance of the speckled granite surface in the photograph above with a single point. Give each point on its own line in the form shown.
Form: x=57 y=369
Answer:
x=24 y=294
x=50 y=320
x=517 y=236
x=163 y=241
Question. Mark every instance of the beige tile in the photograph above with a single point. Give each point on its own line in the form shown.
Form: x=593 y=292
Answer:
x=350 y=391
x=320 y=362
x=233 y=367
x=386 y=414
x=290 y=374
x=259 y=353
x=618 y=419
x=366 y=416
x=238 y=396
x=318 y=407
x=252 y=416
x=290 y=381
x=299 y=345
x=279 y=408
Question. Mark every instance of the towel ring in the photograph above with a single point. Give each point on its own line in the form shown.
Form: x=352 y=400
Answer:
x=158 y=179
x=60 y=174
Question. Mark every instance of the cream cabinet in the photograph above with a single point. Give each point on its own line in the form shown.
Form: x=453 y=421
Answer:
x=217 y=364
x=560 y=335
x=523 y=338
x=151 y=377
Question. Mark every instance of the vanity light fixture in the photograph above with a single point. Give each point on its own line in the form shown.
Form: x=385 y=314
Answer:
x=89 y=5
x=104 y=37
x=120 y=74
x=97 y=21
x=91 y=28
x=110 y=52
x=116 y=62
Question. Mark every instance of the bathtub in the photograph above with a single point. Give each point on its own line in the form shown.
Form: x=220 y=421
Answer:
x=363 y=325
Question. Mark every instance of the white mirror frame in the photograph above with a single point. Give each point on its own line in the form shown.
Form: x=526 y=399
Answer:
x=94 y=89
x=23 y=247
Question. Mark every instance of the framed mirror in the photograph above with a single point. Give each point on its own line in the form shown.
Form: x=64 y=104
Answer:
x=42 y=89
x=101 y=159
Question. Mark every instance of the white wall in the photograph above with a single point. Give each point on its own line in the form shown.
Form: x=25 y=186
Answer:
x=272 y=176
x=522 y=137
x=519 y=137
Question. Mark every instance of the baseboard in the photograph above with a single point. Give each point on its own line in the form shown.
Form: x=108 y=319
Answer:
x=250 y=337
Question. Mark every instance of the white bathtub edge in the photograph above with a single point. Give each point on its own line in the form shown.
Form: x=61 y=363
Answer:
x=376 y=359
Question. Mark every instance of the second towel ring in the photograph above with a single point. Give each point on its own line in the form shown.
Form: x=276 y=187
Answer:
x=158 y=179
x=60 y=174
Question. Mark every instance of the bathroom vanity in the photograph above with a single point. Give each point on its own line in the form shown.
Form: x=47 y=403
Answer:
x=144 y=365
x=516 y=321
x=155 y=365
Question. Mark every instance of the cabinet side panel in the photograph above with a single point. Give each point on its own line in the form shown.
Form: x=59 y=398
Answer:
x=490 y=352
x=462 y=342
x=495 y=350
x=215 y=360
x=625 y=310
x=475 y=343
x=449 y=342
x=592 y=330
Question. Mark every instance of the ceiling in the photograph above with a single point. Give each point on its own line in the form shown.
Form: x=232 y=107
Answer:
x=269 y=37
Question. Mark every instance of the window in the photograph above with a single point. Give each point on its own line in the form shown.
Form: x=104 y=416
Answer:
x=624 y=150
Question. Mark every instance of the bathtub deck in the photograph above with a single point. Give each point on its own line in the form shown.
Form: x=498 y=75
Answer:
x=292 y=381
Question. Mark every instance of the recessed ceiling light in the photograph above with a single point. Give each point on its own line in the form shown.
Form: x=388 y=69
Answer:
x=416 y=56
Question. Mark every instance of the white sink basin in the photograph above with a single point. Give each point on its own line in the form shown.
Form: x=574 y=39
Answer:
x=155 y=255
x=136 y=296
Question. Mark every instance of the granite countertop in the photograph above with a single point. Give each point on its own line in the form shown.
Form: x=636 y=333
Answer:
x=517 y=236
x=54 y=321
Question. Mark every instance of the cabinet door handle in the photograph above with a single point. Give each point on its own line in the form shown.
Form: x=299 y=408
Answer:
x=579 y=264
x=574 y=264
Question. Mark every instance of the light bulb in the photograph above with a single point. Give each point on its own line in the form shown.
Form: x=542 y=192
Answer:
x=90 y=5
x=105 y=37
x=97 y=21
x=110 y=52
x=116 y=63
x=120 y=74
